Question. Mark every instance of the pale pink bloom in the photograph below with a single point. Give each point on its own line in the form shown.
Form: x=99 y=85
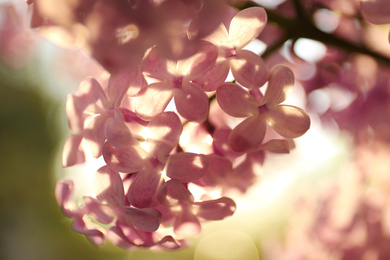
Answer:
x=107 y=208
x=72 y=153
x=376 y=11
x=117 y=33
x=175 y=82
x=16 y=42
x=128 y=238
x=186 y=221
x=288 y=121
x=247 y=67
x=165 y=130
x=104 y=117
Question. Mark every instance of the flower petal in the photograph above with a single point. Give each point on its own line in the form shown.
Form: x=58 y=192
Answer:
x=126 y=159
x=187 y=167
x=94 y=134
x=108 y=187
x=186 y=224
x=173 y=193
x=116 y=236
x=117 y=132
x=118 y=84
x=280 y=85
x=276 y=146
x=165 y=130
x=199 y=63
x=74 y=115
x=219 y=170
x=216 y=209
x=63 y=191
x=90 y=97
x=213 y=78
x=289 y=121
x=71 y=154
x=192 y=103
x=235 y=101
x=146 y=219
x=247 y=25
x=249 y=69
x=94 y=235
x=153 y=100
x=376 y=12
x=143 y=190
x=219 y=36
x=154 y=65
x=101 y=212
x=249 y=134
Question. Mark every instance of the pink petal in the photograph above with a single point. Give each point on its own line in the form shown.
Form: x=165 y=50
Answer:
x=218 y=171
x=153 y=100
x=247 y=25
x=118 y=85
x=214 y=77
x=146 y=219
x=207 y=19
x=142 y=192
x=71 y=154
x=221 y=143
x=123 y=159
x=199 y=63
x=216 y=209
x=154 y=65
x=173 y=193
x=98 y=211
x=117 y=132
x=249 y=69
x=280 y=85
x=187 y=167
x=249 y=134
x=63 y=191
x=168 y=242
x=74 y=114
x=236 y=101
x=90 y=97
x=192 y=103
x=137 y=85
x=116 y=236
x=94 y=134
x=94 y=235
x=276 y=146
x=165 y=129
x=289 y=121
x=376 y=11
x=108 y=187
x=186 y=224
x=219 y=36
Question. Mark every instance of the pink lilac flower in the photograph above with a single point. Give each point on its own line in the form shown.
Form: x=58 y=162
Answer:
x=247 y=67
x=103 y=117
x=186 y=222
x=288 y=121
x=175 y=81
x=156 y=51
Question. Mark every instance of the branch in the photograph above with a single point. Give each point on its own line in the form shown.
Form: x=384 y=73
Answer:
x=303 y=27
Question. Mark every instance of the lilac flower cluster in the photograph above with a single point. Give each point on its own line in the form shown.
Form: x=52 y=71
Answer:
x=160 y=53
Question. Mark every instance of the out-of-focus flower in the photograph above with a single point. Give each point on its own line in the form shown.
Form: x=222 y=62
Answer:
x=16 y=42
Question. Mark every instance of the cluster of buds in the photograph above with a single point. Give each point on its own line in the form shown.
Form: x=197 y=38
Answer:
x=166 y=121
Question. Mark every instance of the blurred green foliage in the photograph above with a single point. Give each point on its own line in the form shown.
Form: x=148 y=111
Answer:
x=31 y=223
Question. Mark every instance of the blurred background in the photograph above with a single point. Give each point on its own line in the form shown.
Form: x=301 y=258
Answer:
x=36 y=76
